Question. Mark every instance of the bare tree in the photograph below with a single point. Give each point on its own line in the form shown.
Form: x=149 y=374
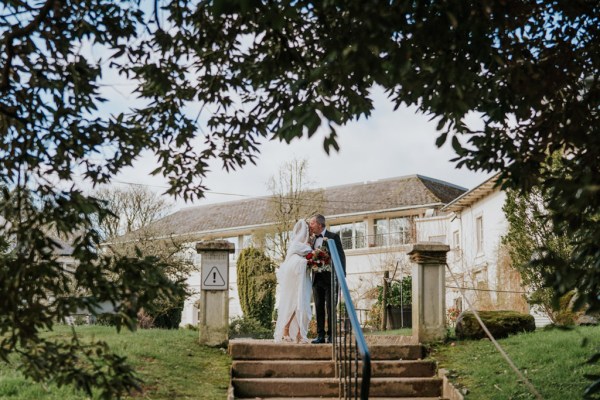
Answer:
x=292 y=200
x=133 y=208
x=128 y=232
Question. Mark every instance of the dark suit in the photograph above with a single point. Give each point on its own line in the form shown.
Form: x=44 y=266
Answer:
x=322 y=289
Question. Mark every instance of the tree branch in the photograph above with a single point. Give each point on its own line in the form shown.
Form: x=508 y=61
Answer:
x=11 y=113
x=20 y=32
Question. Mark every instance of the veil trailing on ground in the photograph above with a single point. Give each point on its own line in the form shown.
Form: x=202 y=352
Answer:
x=294 y=287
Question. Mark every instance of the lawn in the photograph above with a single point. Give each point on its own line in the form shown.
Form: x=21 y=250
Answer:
x=174 y=366
x=170 y=362
x=552 y=359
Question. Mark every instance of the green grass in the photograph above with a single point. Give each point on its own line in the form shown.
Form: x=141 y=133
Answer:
x=174 y=366
x=392 y=332
x=553 y=360
x=170 y=362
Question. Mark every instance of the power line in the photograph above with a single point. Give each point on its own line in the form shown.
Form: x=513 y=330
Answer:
x=270 y=198
x=485 y=290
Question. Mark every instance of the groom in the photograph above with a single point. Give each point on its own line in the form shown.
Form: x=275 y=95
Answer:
x=322 y=280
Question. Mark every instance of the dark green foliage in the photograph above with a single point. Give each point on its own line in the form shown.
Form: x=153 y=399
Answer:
x=399 y=293
x=243 y=327
x=499 y=323
x=169 y=319
x=48 y=292
x=256 y=285
x=251 y=70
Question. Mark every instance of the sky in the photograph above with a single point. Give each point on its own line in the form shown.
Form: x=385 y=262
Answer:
x=387 y=144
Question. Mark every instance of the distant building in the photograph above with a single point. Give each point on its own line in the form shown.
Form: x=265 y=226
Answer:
x=376 y=221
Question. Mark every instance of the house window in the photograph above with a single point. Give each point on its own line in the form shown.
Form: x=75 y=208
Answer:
x=392 y=231
x=352 y=234
x=479 y=234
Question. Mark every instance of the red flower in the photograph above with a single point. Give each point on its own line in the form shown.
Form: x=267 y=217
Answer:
x=318 y=260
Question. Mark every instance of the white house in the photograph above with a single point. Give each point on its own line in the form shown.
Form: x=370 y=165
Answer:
x=378 y=221
x=480 y=271
x=374 y=219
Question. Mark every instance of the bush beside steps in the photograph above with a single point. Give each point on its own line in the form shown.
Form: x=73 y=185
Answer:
x=500 y=324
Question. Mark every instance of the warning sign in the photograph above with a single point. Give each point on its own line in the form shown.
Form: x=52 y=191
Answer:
x=215 y=271
x=214 y=278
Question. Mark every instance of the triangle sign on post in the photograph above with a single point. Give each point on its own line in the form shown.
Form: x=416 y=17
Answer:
x=214 y=278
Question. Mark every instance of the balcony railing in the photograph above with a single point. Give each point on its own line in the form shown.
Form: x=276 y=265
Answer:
x=380 y=240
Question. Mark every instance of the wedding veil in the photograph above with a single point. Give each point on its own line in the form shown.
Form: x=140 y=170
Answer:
x=299 y=242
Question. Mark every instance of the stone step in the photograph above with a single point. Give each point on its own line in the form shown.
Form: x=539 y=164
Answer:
x=405 y=387
x=326 y=369
x=396 y=352
x=282 y=369
x=268 y=350
x=329 y=387
x=285 y=387
x=401 y=368
x=337 y=398
x=244 y=349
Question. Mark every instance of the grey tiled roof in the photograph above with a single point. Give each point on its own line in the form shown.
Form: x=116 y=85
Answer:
x=388 y=194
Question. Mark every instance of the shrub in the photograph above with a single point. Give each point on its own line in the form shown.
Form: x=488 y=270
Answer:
x=106 y=319
x=256 y=285
x=399 y=293
x=144 y=320
x=374 y=316
x=169 y=319
x=452 y=314
x=499 y=323
x=248 y=327
x=565 y=316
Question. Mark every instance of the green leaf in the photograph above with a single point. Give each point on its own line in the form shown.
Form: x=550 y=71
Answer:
x=441 y=139
x=456 y=145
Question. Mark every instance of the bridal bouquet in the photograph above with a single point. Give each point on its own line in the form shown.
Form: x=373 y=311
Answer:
x=319 y=260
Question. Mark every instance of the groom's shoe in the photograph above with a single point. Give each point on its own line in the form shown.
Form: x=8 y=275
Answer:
x=318 y=340
x=328 y=339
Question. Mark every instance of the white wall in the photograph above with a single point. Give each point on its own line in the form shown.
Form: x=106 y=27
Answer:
x=430 y=228
x=470 y=265
x=365 y=269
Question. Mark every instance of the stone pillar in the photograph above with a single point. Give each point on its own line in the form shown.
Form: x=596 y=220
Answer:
x=213 y=318
x=428 y=291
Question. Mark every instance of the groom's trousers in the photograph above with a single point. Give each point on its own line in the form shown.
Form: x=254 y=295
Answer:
x=322 y=298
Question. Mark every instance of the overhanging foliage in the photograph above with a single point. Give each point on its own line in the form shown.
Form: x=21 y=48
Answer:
x=248 y=70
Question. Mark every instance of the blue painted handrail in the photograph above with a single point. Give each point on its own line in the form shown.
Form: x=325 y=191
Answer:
x=342 y=347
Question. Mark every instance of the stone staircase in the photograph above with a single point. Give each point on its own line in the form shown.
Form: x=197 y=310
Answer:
x=263 y=369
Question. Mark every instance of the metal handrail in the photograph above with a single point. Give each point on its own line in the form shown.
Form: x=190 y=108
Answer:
x=344 y=347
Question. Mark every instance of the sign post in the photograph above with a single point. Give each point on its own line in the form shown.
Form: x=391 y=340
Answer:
x=213 y=319
x=428 y=291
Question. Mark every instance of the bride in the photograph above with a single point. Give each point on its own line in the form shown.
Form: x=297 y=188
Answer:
x=294 y=289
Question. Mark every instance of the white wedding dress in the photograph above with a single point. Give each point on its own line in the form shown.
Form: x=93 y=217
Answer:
x=294 y=288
